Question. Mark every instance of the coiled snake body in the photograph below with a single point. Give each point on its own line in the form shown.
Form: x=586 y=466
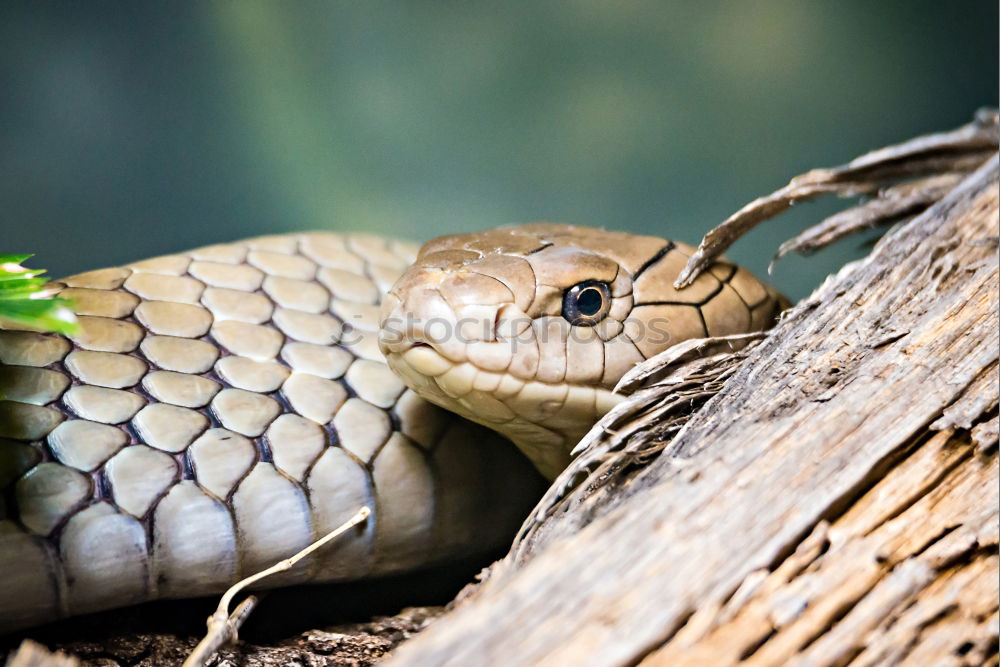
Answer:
x=222 y=408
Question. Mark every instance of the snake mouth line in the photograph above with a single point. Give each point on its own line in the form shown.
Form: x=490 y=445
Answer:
x=432 y=363
x=499 y=397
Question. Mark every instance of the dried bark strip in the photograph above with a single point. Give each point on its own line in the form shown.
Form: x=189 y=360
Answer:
x=889 y=205
x=959 y=151
x=839 y=397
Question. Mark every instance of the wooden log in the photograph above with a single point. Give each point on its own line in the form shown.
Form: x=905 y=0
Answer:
x=837 y=501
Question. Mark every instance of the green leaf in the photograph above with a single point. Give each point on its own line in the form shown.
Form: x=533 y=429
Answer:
x=24 y=301
x=10 y=286
x=13 y=259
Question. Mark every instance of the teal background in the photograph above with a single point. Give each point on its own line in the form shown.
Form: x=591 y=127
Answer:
x=134 y=129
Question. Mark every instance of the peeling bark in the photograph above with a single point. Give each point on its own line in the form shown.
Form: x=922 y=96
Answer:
x=939 y=156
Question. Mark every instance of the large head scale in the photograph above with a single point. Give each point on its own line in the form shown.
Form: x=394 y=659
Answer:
x=527 y=329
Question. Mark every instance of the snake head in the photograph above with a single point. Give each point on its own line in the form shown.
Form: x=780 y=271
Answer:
x=527 y=329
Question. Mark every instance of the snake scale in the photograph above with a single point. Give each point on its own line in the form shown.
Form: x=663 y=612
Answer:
x=222 y=408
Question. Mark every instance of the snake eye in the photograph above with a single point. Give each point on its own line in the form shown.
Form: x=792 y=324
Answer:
x=585 y=304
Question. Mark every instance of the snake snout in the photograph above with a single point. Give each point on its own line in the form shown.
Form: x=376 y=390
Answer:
x=423 y=328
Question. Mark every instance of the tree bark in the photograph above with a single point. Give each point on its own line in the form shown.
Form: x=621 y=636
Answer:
x=836 y=502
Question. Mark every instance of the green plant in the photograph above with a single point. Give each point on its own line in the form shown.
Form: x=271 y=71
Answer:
x=25 y=299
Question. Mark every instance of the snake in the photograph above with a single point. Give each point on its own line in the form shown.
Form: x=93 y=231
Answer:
x=220 y=409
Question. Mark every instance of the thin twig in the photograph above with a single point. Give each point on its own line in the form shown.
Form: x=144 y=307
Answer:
x=223 y=627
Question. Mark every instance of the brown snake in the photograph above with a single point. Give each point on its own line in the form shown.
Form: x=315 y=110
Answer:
x=222 y=408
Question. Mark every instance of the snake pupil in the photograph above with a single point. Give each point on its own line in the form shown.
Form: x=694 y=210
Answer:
x=590 y=301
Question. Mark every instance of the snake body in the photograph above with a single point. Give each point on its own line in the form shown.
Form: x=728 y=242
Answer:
x=222 y=408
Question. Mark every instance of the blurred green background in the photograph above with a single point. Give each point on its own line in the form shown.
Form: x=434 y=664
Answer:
x=134 y=129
